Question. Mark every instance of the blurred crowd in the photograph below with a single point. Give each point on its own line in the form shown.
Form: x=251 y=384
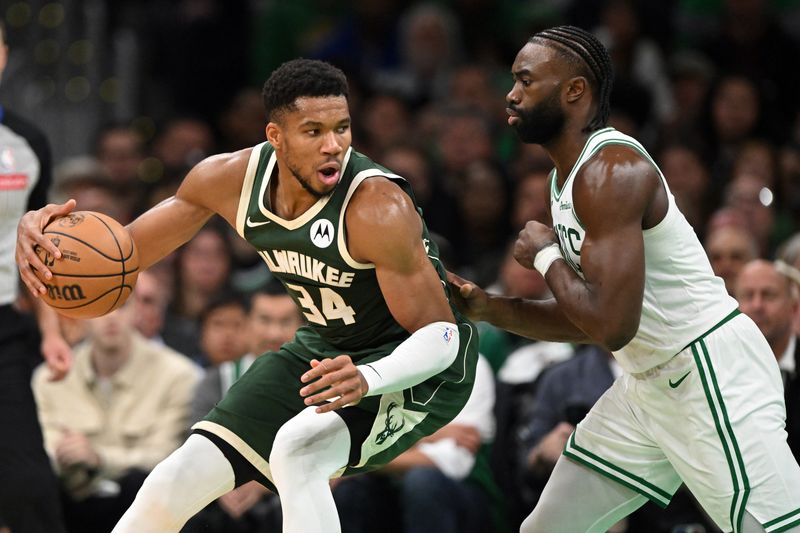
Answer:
x=707 y=86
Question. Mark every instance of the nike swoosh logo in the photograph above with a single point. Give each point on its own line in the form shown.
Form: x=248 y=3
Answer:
x=675 y=385
x=251 y=224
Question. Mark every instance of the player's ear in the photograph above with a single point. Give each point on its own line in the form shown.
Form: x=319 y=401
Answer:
x=576 y=87
x=274 y=135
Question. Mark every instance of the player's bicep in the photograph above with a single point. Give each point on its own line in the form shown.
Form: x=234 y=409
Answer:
x=413 y=291
x=611 y=199
x=409 y=283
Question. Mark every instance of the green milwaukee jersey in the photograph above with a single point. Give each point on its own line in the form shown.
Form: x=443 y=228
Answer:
x=339 y=296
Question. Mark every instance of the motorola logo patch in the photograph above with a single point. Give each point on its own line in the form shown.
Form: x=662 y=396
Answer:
x=322 y=233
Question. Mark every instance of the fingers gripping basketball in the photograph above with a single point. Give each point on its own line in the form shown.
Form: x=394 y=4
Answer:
x=98 y=266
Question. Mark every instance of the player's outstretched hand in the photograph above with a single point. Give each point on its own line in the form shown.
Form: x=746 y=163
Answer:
x=533 y=237
x=30 y=237
x=468 y=297
x=337 y=379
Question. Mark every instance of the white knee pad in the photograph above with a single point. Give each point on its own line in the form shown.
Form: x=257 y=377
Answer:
x=309 y=445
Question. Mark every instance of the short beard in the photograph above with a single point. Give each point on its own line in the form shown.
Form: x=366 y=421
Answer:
x=543 y=123
x=304 y=183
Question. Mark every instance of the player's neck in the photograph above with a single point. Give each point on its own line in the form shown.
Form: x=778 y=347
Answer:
x=288 y=198
x=565 y=150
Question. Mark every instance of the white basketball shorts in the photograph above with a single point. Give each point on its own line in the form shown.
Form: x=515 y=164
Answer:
x=712 y=417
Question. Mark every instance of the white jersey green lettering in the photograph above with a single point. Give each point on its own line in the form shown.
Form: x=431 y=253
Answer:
x=682 y=297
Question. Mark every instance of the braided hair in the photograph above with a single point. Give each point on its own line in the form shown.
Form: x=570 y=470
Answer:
x=591 y=58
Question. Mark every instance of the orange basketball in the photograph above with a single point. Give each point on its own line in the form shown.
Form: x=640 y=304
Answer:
x=98 y=266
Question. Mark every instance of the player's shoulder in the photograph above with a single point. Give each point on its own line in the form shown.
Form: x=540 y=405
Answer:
x=217 y=173
x=379 y=200
x=224 y=163
x=618 y=164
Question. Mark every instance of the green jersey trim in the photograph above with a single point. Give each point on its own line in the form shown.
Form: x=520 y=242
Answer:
x=252 y=456
x=784 y=522
x=310 y=213
x=555 y=189
x=741 y=485
x=340 y=240
x=247 y=187
x=652 y=492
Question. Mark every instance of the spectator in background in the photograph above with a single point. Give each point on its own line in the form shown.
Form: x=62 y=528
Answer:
x=691 y=75
x=770 y=298
x=222 y=329
x=482 y=204
x=430 y=48
x=150 y=301
x=202 y=269
x=442 y=484
x=749 y=195
x=752 y=42
x=729 y=248
x=733 y=115
x=688 y=180
x=85 y=180
x=788 y=186
x=182 y=142
x=789 y=253
x=757 y=157
x=122 y=409
x=636 y=58
x=120 y=150
x=410 y=161
x=273 y=319
x=242 y=123
x=386 y=121
x=463 y=136
x=531 y=198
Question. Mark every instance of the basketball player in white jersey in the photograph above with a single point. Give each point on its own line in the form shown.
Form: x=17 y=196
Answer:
x=701 y=399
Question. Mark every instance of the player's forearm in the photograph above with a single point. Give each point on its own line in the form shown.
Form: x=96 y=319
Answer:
x=428 y=351
x=535 y=319
x=165 y=227
x=606 y=317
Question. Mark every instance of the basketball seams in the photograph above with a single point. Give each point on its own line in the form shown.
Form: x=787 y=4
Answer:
x=62 y=275
x=83 y=242
x=119 y=248
x=105 y=291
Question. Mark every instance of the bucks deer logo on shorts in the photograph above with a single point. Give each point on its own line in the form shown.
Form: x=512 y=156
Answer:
x=391 y=427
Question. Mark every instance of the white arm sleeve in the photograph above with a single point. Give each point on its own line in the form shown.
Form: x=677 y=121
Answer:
x=428 y=351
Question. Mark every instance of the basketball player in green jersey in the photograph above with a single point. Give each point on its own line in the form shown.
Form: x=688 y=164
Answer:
x=384 y=361
x=700 y=400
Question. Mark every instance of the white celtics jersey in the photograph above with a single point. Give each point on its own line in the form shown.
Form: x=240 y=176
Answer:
x=682 y=297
